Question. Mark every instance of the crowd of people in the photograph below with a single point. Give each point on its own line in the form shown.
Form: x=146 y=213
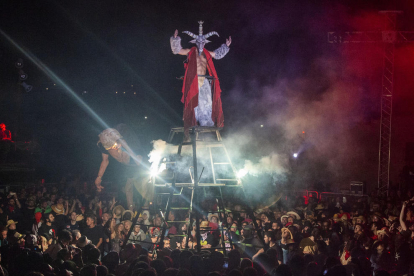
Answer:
x=59 y=231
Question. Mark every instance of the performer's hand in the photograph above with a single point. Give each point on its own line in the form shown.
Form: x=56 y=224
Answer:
x=228 y=41
x=175 y=33
x=99 y=188
x=98 y=182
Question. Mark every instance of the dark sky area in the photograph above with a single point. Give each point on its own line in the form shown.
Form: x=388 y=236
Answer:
x=280 y=73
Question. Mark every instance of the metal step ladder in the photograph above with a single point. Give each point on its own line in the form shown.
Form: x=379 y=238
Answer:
x=220 y=173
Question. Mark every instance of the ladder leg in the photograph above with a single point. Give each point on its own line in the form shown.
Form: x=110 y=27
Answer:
x=167 y=211
x=223 y=211
x=191 y=211
x=196 y=190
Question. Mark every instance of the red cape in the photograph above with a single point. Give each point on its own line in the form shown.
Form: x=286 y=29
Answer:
x=190 y=91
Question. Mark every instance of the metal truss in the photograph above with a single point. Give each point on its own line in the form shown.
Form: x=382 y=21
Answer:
x=389 y=38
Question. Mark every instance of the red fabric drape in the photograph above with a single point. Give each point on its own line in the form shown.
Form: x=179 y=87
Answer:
x=190 y=91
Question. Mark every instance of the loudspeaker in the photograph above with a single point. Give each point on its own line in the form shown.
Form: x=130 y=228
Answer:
x=27 y=87
x=357 y=187
x=19 y=63
x=22 y=75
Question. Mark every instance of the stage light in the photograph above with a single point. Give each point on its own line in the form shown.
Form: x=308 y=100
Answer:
x=54 y=84
x=47 y=88
x=295 y=155
x=124 y=92
x=154 y=172
x=135 y=93
x=84 y=92
x=261 y=125
x=19 y=63
x=241 y=173
x=27 y=87
x=146 y=117
x=116 y=92
x=132 y=85
x=22 y=75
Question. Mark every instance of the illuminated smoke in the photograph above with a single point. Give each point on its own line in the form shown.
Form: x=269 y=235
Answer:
x=161 y=149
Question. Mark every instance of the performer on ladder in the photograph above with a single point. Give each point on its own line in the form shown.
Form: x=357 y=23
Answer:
x=112 y=143
x=199 y=106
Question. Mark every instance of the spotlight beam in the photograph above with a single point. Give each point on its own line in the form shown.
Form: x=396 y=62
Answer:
x=45 y=69
x=121 y=61
x=67 y=89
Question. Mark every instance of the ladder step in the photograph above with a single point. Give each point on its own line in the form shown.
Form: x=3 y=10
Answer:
x=190 y=185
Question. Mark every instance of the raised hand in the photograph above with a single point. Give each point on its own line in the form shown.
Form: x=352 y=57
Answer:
x=228 y=41
x=175 y=33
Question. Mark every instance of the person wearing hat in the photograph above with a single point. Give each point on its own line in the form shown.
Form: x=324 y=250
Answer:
x=11 y=224
x=60 y=215
x=207 y=240
x=284 y=220
x=117 y=213
x=293 y=215
x=19 y=239
x=112 y=143
x=319 y=207
x=137 y=235
x=145 y=217
x=360 y=220
x=308 y=245
x=127 y=215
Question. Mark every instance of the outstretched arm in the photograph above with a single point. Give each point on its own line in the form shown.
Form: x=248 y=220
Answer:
x=176 y=48
x=102 y=168
x=220 y=52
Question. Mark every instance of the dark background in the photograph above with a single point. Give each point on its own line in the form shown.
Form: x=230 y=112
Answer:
x=279 y=52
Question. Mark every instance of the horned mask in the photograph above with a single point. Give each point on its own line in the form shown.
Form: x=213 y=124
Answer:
x=200 y=40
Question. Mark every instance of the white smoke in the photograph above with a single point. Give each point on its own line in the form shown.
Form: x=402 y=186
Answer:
x=272 y=164
x=160 y=150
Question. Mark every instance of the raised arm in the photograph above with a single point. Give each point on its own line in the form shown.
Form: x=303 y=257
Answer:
x=17 y=201
x=176 y=48
x=402 y=222
x=73 y=206
x=221 y=51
